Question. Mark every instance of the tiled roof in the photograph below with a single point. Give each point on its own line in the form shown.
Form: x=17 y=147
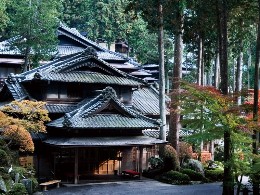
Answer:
x=156 y=133
x=17 y=90
x=90 y=115
x=102 y=52
x=75 y=35
x=68 y=49
x=140 y=73
x=5 y=48
x=65 y=69
x=126 y=67
x=38 y=136
x=103 y=141
x=60 y=108
x=105 y=55
x=89 y=77
x=146 y=101
x=108 y=121
x=150 y=66
x=150 y=79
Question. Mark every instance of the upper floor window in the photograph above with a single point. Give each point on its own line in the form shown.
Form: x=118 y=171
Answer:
x=62 y=91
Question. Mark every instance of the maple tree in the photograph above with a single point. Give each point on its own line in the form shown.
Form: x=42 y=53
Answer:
x=209 y=114
x=19 y=118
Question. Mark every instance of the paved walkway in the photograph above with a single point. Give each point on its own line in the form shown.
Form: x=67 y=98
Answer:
x=136 y=187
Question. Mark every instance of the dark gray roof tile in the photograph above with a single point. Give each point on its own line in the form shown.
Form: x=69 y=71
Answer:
x=156 y=133
x=108 y=121
x=60 y=108
x=102 y=141
x=15 y=87
x=146 y=101
x=89 y=77
x=89 y=115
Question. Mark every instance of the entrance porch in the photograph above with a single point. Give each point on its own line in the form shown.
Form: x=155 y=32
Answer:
x=77 y=165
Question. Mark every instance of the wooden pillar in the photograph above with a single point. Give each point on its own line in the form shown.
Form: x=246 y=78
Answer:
x=76 y=166
x=140 y=160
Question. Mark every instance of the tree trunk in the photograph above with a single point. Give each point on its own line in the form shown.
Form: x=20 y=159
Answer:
x=222 y=23
x=256 y=94
x=217 y=72
x=26 y=59
x=203 y=77
x=175 y=115
x=161 y=75
x=234 y=75
x=228 y=181
x=239 y=77
x=249 y=61
x=239 y=71
x=199 y=78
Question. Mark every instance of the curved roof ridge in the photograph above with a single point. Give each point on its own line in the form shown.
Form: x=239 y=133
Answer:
x=102 y=99
x=77 y=33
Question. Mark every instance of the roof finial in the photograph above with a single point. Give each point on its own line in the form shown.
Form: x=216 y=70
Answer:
x=108 y=92
x=90 y=51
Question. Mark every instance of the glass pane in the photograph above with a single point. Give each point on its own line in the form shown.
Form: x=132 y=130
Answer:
x=63 y=92
x=52 y=92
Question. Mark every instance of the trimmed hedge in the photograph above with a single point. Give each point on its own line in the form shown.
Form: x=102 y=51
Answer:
x=170 y=159
x=214 y=175
x=194 y=176
x=175 y=177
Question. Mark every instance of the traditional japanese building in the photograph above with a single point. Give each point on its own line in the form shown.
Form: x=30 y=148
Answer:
x=98 y=116
x=70 y=41
x=10 y=61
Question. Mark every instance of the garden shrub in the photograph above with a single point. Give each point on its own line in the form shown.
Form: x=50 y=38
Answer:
x=152 y=173
x=214 y=175
x=194 y=176
x=2 y=142
x=3 y=188
x=219 y=153
x=185 y=152
x=214 y=165
x=170 y=159
x=35 y=184
x=4 y=158
x=175 y=177
x=194 y=165
x=20 y=170
x=155 y=163
x=18 y=189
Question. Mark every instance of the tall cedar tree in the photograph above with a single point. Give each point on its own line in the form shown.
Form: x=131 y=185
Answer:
x=34 y=25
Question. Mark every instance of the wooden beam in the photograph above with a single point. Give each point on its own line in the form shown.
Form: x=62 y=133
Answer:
x=141 y=160
x=76 y=166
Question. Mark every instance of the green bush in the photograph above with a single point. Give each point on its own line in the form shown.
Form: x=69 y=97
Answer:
x=194 y=165
x=194 y=176
x=35 y=184
x=175 y=177
x=185 y=152
x=214 y=175
x=4 y=158
x=18 y=189
x=219 y=153
x=170 y=159
x=20 y=170
x=155 y=163
x=152 y=173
